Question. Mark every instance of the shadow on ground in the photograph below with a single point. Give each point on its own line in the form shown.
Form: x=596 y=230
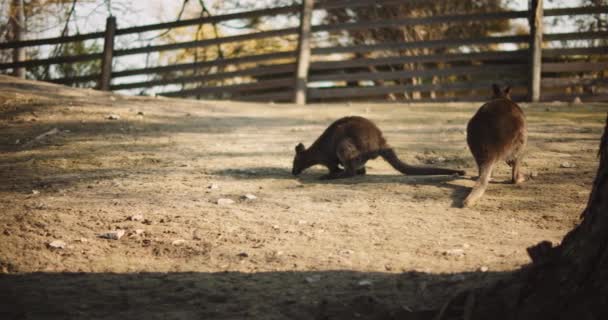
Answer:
x=232 y=295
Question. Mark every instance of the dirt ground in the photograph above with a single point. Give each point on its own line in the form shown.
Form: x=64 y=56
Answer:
x=302 y=249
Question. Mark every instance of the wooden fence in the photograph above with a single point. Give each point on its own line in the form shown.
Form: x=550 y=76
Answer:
x=449 y=70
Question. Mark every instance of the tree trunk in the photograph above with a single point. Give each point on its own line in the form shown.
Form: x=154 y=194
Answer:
x=569 y=281
x=18 y=29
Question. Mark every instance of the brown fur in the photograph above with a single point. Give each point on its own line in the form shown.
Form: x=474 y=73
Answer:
x=496 y=132
x=351 y=142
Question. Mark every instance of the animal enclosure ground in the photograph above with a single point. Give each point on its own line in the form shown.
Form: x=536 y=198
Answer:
x=302 y=248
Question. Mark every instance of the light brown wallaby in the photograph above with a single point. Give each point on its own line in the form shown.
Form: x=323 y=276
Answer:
x=351 y=142
x=496 y=132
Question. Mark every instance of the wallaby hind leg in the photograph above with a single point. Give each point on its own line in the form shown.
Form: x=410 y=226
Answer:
x=349 y=156
x=485 y=172
x=516 y=175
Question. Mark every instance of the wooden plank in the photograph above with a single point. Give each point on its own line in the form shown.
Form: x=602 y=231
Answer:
x=575 y=35
x=265 y=97
x=391 y=23
x=269 y=84
x=573 y=81
x=212 y=19
x=47 y=41
x=552 y=53
x=575 y=11
x=419 y=44
x=206 y=64
x=257 y=71
x=475 y=56
x=395 y=75
x=570 y=97
x=303 y=59
x=324 y=93
x=535 y=46
x=328 y=5
x=50 y=61
x=108 y=50
x=207 y=42
x=79 y=79
x=575 y=66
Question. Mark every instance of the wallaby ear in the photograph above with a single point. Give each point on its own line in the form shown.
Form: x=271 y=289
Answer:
x=507 y=92
x=496 y=89
x=300 y=147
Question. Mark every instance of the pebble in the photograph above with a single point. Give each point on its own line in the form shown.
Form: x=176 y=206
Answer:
x=313 y=278
x=364 y=283
x=213 y=186
x=577 y=100
x=113 y=117
x=483 y=269
x=224 y=201
x=35 y=192
x=249 y=196
x=139 y=231
x=136 y=217
x=178 y=242
x=242 y=255
x=458 y=253
x=113 y=235
x=57 y=244
x=567 y=164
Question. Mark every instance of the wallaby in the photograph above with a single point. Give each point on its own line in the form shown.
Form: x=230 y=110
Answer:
x=496 y=132
x=351 y=142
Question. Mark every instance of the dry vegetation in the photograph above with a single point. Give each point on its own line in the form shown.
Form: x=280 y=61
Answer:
x=303 y=248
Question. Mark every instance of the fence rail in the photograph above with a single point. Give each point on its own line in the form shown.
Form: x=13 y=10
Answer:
x=448 y=69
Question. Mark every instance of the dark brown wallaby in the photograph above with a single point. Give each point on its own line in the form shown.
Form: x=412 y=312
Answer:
x=496 y=132
x=351 y=142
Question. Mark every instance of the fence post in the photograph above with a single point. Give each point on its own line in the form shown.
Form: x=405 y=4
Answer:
x=303 y=61
x=535 y=19
x=18 y=24
x=106 y=59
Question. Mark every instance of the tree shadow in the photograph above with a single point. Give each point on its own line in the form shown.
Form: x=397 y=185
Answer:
x=339 y=294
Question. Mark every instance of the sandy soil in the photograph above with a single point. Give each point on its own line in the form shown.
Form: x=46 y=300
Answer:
x=302 y=249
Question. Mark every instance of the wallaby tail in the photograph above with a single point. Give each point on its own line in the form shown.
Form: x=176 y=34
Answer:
x=389 y=155
x=485 y=173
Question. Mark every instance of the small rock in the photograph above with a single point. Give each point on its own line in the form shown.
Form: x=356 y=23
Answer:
x=56 y=244
x=276 y=227
x=113 y=235
x=438 y=159
x=458 y=253
x=313 y=278
x=136 y=217
x=139 y=231
x=483 y=269
x=113 y=117
x=224 y=201
x=301 y=222
x=196 y=235
x=577 y=100
x=533 y=174
x=18 y=141
x=178 y=242
x=242 y=255
x=35 y=192
x=364 y=283
x=567 y=164
x=213 y=186
x=140 y=113
x=146 y=221
x=249 y=196
x=83 y=240
x=466 y=245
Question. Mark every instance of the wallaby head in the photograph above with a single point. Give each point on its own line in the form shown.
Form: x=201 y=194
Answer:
x=300 y=161
x=501 y=93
